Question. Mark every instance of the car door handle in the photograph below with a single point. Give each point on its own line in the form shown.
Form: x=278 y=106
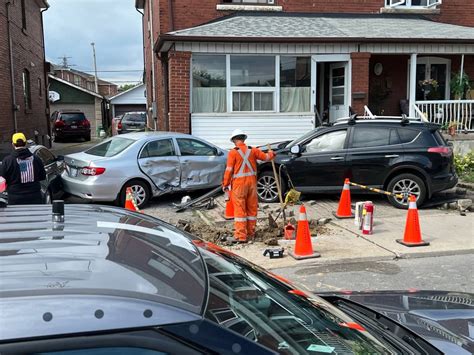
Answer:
x=392 y=156
x=337 y=158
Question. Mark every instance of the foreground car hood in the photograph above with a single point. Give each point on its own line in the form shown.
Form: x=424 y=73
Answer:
x=445 y=319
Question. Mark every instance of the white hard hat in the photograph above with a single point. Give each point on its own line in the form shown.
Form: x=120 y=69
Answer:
x=237 y=132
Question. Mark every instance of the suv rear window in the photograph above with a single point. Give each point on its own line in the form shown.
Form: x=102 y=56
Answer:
x=134 y=117
x=407 y=135
x=72 y=117
x=439 y=138
x=374 y=137
x=111 y=147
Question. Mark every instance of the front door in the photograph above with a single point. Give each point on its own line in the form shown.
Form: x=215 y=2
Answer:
x=338 y=106
x=202 y=164
x=322 y=163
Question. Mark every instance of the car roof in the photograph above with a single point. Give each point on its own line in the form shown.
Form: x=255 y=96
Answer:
x=386 y=120
x=154 y=134
x=100 y=260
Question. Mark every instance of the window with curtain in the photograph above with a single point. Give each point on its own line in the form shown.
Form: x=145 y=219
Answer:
x=209 y=83
x=295 y=84
x=257 y=75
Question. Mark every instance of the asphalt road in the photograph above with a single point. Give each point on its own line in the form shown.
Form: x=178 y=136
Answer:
x=448 y=273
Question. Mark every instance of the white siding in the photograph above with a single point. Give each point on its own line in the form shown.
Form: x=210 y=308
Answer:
x=261 y=129
x=130 y=97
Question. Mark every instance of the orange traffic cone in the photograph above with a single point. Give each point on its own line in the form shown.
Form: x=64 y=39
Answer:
x=303 y=247
x=412 y=236
x=229 y=206
x=344 y=209
x=130 y=203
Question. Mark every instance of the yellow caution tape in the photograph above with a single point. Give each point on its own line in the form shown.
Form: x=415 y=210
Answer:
x=376 y=190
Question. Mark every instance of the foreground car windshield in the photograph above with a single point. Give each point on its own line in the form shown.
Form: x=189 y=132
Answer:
x=246 y=301
x=111 y=147
x=302 y=138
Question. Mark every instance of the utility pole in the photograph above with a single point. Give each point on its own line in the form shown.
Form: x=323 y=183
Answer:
x=95 y=68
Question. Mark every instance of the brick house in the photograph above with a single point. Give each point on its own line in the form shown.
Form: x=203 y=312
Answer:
x=23 y=79
x=272 y=66
x=85 y=80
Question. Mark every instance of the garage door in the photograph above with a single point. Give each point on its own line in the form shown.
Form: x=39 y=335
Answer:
x=121 y=109
x=88 y=109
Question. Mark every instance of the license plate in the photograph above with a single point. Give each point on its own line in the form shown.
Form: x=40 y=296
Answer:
x=73 y=127
x=72 y=172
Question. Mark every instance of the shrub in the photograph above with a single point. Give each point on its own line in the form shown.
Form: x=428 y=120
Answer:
x=465 y=166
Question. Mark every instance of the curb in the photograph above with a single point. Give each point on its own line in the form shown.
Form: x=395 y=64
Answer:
x=466 y=185
x=322 y=262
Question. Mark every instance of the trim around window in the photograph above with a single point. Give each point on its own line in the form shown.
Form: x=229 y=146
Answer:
x=412 y=6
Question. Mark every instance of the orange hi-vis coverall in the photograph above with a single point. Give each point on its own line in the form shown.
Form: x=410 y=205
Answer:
x=241 y=175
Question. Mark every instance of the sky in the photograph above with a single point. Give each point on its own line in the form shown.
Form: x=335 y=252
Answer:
x=113 y=25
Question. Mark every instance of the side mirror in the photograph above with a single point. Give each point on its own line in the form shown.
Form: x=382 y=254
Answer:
x=296 y=149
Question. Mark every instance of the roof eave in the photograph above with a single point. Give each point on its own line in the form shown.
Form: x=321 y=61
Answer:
x=65 y=82
x=165 y=41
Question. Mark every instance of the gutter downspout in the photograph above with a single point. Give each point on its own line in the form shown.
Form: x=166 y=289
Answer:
x=165 y=61
x=171 y=14
x=153 y=74
x=14 y=106
x=46 y=84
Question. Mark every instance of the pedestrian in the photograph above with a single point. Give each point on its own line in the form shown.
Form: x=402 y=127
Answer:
x=241 y=178
x=23 y=172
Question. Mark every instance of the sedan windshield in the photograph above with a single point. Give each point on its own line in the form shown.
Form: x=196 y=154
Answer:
x=111 y=147
x=254 y=305
x=134 y=117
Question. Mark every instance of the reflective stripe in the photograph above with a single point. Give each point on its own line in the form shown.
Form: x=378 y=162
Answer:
x=229 y=168
x=302 y=217
x=240 y=219
x=412 y=205
x=251 y=218
x=245 y=163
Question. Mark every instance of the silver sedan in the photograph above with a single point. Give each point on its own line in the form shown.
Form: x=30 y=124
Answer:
x=151 y=163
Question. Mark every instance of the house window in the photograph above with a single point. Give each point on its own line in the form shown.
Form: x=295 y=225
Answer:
x=252 y=80
x=295 y=84
x=26 y=89
x=209 y=83
x=249 y=2
x=23 y=14
x=412 y=3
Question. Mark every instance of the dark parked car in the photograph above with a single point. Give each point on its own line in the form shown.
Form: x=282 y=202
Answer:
x=52 y=187
x=70 y=124
x=119 y=282
x=132 y=122
x=399 y=155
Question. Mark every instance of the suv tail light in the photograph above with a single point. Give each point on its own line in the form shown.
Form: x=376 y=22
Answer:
x=444 y=151
x=92 y=171
x=84 y=123
x=59 y=124
x=119 y=126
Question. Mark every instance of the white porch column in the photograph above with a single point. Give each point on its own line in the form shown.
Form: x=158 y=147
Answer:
x=412 y=84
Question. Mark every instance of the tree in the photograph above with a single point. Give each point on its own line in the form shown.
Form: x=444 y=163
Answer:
x=126 y=87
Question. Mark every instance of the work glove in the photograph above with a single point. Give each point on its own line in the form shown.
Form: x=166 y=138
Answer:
x=271 y=154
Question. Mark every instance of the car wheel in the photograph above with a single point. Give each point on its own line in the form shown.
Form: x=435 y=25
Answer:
x=406 y=185
x=140 y=191
x=267 y=188
x=87 y=137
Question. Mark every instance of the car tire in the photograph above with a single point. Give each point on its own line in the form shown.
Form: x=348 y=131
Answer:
x=267 y=189
x=406 y=184
x=87 y=137
x=141 y=191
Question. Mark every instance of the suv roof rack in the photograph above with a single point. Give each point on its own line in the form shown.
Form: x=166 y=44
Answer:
x=404 y=119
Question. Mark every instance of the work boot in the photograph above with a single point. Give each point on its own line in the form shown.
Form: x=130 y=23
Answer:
x=232 y=240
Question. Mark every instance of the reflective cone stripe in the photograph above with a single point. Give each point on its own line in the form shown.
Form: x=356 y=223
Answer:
x=130 y=203
x=344 y=209
x=303 y=246
x=412 y=236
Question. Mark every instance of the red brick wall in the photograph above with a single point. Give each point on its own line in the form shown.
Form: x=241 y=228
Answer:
x=458 y=12
x=179 y=77
x=360 y=80
x=27 y=54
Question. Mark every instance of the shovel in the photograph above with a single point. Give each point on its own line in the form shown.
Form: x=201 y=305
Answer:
x=277 y=180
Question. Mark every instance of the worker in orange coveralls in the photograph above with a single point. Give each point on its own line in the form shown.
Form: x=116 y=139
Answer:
x=241 y=177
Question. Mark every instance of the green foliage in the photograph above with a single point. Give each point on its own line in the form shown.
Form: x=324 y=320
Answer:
x=465 y=166
x=460 y=87
x=126 y=87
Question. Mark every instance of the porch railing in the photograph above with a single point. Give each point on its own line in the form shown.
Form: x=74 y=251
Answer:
x=445 y=112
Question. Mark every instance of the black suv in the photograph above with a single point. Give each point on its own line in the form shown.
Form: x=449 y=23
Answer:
x=70 y=124
x=399 y=155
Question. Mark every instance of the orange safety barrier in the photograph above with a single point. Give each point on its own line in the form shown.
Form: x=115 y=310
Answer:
x=130 y=203
x=303 y=246
x=344 y=209
x=412 y=236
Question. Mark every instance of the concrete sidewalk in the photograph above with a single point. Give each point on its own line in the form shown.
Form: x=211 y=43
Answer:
x=448 y=232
